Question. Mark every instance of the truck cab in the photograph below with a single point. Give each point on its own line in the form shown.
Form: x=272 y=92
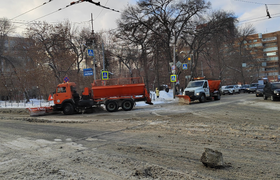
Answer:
x=63 y=97
x=202 y=90
x=197 y=90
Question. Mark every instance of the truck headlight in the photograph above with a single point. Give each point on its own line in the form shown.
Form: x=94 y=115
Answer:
x=275 y=92
x=197 y=94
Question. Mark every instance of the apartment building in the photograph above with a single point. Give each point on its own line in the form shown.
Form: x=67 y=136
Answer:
x=265 y=50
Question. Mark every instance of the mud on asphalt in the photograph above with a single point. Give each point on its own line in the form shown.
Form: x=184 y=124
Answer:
x=159 y=146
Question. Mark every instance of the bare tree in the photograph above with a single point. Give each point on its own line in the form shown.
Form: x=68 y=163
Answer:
x=158 y=20
x=208 y=39
x=58 y=46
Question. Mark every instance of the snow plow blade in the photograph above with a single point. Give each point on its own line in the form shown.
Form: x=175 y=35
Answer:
x=184 y=99
x=37 y=111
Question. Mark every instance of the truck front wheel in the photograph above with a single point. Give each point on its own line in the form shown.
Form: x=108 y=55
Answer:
x=68 y=109
x=202 y=98
x=127 y=105
x=111 y=106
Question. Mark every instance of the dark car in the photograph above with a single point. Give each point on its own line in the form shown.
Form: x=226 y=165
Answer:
x=244 y=87
x=259 y=90
x=252 y=88
x=272 y=91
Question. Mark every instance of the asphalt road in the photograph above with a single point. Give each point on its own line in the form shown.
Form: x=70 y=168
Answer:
x=82 y=126
x=163 y=141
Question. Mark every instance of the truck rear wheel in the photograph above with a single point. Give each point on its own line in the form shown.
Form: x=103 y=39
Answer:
x=127 y=105
x=68 y=109
x=218 y=97
x=111 y=106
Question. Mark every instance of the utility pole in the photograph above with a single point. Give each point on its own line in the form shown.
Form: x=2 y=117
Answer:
x=92 y=34
x=174 y=54
x=103 y=56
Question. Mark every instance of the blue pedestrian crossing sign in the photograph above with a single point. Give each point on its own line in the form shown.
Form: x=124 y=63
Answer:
x=105 y=75
x=90 y=52
x=173 y=78
x=185 y=66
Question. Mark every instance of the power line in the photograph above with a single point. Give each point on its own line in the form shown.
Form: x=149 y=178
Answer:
x=101 y=11
x=32 y=9
x=254 y=2
x=98 y=4
x=77 y=2
x=262 y=17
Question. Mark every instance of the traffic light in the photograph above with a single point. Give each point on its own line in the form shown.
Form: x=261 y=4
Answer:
x=189 y=58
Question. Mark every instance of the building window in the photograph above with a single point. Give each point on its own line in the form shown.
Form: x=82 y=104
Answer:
x=273 y=73
x=255 y=40
x=272 y=59
x=270 y=49
x=270 y=54
x=269 y=39
x=255 y=45
x=263 y=63
x=271 y=69
x=270 y=44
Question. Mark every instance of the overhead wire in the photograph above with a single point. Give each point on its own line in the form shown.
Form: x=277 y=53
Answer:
x=76 y=2
x=101 y=11
x=261 y=17
x=254 y=2
x=31 y=10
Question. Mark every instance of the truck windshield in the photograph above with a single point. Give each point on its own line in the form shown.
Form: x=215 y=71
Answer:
x=195 y=84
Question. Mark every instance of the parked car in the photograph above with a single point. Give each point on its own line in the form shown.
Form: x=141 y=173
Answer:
x=230 y=89
x=244 y=87
x=259 y=90
x=236 y=89
x=272 y=91
x=222 y=89
x=252 y=88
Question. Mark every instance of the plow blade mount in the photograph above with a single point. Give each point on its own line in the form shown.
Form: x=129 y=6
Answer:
x=37 y=111
x=184 y=99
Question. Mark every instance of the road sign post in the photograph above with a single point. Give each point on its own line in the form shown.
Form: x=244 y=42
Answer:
x=173 y=78
x=90 y=52
x=105 y=75
x=88 y=72
x=66 y=79
x=184 y=66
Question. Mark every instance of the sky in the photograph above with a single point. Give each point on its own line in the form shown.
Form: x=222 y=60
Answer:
x=247 y=11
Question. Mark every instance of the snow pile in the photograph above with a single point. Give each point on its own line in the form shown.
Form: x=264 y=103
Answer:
x=164 y=97
x=24 y=104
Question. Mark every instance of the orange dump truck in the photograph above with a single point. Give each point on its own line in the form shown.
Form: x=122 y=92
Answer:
x=113 y=93
x=201 y=90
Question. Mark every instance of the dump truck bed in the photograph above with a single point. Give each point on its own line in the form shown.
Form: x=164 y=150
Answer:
x=120 y=88
x=214 y=85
